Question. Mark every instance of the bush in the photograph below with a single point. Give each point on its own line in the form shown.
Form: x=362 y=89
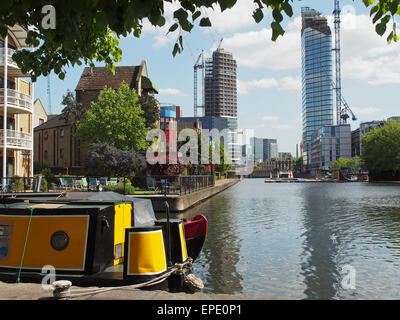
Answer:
x=43 y=186
x=46 y=173
x=129 y=189
x=17 y=184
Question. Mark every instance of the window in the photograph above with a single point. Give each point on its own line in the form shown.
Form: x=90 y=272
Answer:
x=61 y=153
x=45 y=154
x=45 y=135
x=41 y=121
x=61 y=132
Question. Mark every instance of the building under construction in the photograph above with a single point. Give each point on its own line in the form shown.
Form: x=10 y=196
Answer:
x=220 y=85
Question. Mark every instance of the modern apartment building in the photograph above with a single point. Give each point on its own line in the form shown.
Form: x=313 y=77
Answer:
x=16 y=109
x=317 y=95
x=330 y=143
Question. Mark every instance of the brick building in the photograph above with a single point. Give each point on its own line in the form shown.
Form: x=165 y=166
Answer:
x=55 y=144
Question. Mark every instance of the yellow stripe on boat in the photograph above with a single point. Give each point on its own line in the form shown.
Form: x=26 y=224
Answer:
x=146 y=252
x=39 y=251
x=183 y=242
x=123 y=220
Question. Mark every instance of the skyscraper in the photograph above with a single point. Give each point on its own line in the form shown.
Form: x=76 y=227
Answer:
x=220 y=97
x=316 y=57
x=220 y=85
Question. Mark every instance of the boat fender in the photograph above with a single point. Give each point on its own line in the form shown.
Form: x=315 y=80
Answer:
x=193 y=283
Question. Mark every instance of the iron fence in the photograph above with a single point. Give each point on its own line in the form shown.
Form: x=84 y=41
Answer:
x=179 y=185
x=173 y=185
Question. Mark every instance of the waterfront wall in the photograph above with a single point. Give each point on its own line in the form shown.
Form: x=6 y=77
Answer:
x=179 y=203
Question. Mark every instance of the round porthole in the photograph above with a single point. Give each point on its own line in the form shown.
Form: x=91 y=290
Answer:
x=59 y=240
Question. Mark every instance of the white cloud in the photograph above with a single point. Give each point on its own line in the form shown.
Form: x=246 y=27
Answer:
x=255 y=49
x=290 y=83
x=283 y=127
x=365 y=111
x=172 y=92
x=270 y=118
x=243 y=87
x=240 y=16
x=366 y=56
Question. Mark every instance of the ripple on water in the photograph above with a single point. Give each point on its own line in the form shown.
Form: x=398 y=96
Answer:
x=292 y=240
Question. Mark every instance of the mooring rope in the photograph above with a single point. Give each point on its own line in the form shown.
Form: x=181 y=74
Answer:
x=63 y=291
x=26 y=240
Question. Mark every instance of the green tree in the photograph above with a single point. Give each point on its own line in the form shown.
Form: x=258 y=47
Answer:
x=116 y=118
x=87 y=31
x=298 y=164
x=225 y=162
x=103 y=159
x=151 y=109
x=381 y=149
x=354 y=163
x=72 y=111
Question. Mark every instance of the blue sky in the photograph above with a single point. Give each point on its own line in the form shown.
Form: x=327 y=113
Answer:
x=269 y=73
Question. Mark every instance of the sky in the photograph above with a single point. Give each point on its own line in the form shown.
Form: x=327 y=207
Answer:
x=268 y=73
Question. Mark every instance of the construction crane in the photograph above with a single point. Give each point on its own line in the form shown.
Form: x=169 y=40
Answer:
x=197 y=64
x=48 y=94
x=338 y=87
x=342 y=108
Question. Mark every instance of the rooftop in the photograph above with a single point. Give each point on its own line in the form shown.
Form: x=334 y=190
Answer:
x=99 y=77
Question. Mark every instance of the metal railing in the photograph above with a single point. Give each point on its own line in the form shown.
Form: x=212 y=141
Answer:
x=16 y=98
x=179 y=185
x=17 y=184
x=10 y=53
x=16 y=139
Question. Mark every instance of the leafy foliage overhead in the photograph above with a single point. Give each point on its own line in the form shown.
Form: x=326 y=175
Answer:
x=87 y=31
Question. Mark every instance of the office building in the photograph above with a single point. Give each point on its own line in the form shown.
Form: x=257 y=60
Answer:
x=317 y=95
x=270 y=147
x=330 y=143
x=257 y=144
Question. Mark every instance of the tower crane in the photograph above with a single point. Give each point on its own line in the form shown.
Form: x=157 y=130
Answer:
x=48 y=94
x=342 y=108
x=197 y=64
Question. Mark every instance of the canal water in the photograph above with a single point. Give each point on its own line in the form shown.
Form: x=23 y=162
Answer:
x=302 y=240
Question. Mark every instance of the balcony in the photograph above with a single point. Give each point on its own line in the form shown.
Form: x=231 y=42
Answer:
x=16 y=140
x=17 y=102
x=13 y=70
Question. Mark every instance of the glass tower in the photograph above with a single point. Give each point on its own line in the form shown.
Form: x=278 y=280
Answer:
x=316 y=58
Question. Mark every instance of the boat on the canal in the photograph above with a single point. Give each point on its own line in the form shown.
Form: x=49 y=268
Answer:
x=96 y=239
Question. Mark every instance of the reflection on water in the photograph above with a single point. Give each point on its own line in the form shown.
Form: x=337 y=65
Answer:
x=292 y=240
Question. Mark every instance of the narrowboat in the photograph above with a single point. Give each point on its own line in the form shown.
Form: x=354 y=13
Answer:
x=95 y=239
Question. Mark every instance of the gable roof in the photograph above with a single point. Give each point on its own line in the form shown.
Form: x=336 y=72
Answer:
x=98 y=77
x=52 y=122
